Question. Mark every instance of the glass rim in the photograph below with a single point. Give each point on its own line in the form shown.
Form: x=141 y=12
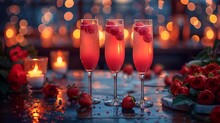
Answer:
x=121 y=21
x=114 y=19
x=143 y=20
x=89 y=19
x=36 y=58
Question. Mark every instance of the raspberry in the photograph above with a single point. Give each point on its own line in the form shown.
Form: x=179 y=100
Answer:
x=143 y=30
x=114 y=30
x=84 y=24
x=110 y=23
x=120 y=36
x=147 y=37
x=137 y=26
x=109 y=26
x=90 y=28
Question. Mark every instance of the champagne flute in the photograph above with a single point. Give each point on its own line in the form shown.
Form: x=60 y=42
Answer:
x=114 y=52
x=143 y=52
x=89 y=49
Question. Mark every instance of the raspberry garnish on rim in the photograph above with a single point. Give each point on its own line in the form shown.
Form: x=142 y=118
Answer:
x=114 y=30
x=88 y=27
x=143 y=30
x=138 y=25
x=109 y=24
x=120 y=36
x=147 y=37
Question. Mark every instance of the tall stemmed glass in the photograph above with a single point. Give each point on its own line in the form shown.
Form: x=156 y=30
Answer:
x=89 y=48
x=114 y=52
x=143 y=52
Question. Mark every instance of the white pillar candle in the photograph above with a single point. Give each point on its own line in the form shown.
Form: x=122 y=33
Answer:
x=35 y=78
x=60 y=66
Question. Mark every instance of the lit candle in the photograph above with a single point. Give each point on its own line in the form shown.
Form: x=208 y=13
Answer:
x=60 y=66
x=35 y=77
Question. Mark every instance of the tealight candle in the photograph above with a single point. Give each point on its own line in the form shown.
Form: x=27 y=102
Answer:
x=35 y=77
x=60 y=66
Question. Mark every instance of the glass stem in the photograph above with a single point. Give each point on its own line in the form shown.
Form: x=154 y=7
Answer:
x=90 y=82
x=115 y=85
x=142 y=87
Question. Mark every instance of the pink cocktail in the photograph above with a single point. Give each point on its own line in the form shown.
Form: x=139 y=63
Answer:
x=89 y=48
x=114 y=52
x=143 y=51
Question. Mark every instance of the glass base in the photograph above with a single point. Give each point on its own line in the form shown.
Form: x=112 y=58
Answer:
x=113 y=102
x=35 y=89
x=95 y=101
x=60 y=75
x=144 y=104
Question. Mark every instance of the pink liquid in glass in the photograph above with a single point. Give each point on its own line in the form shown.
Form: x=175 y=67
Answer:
x=115 y=49
x=143 y=50
x=89 y=48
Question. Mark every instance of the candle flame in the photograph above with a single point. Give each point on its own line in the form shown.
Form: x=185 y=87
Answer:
x=35 y=71
x=35 y=68
x=59 y=60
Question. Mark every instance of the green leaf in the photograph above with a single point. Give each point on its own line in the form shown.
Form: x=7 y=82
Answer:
x=4 y=74
x=216 y=43
x=5 y=62
x=182 y=99
x=194 y=62
x=4 y=87
x=202 y=54
x=193 y=92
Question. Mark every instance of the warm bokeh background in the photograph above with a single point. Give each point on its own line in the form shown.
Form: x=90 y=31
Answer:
x=181 y=27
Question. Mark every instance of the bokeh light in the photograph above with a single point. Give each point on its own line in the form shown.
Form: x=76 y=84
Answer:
x=68 y=16
x=209 y=33
x=195 y=38
x=76 y=33
x=9 y=33
x=47 y=32
x=69 y=3
x=169 y=26
x=23 y=24
x=164 y=35
x=191 y=6
x=184 y=2
x=213 y=18
x=126 y=33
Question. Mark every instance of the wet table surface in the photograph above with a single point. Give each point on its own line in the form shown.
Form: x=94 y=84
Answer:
x=26 y=107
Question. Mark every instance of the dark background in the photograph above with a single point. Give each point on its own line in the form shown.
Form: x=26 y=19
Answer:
x=173 y=53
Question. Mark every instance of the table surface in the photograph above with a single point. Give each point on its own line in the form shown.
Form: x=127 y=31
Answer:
x=26 y=107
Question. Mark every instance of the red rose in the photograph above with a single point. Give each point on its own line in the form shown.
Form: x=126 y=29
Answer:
x=174 y=87
x=50 y=90
x=199 y=70
x=183 y=90
x=213 y=73
x=205 y=97
x=199 y=82
x=212 y=84
x=211 y=67
x=189 y=79
x=184 y=70
x=17 y=77
x=214 y=115
x=218 y=97
x=218 y=76
x=192 y=69
x=17 y=53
